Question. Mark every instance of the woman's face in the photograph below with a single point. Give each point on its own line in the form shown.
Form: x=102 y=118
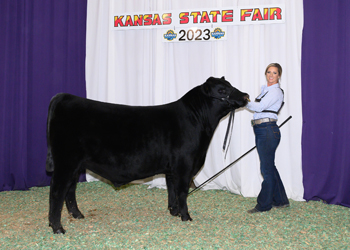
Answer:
x=272 y=76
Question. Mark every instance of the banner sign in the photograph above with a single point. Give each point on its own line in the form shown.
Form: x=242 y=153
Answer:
x=197 y=34
x=256 y=14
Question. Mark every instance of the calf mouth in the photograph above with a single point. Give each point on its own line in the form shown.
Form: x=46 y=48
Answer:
x=241 y=103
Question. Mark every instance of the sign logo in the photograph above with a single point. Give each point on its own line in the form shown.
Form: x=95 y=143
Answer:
x=218 y=33
x=170 y=35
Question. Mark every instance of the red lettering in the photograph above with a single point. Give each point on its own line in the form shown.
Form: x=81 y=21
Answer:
x=138 y=20
x=205 y=17
x=118 y=21
x=156 y=20
x=128 y=21
x=257 y=15
x=266 y=14
x=148 y=19
x=214 y=14
x=227 y=15
x=166 y=18
x=184 y=17
x=245 y=13
x=275 y=12
x=195 y=16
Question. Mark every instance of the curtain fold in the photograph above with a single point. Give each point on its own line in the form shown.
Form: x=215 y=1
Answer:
x=326 y=88
x=42 y=53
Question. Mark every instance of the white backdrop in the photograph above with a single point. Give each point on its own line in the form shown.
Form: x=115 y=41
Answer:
x=135 y=67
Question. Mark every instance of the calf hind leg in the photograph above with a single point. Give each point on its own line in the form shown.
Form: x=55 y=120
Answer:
x=57 y=194
x=71 y=201
x=63 y=185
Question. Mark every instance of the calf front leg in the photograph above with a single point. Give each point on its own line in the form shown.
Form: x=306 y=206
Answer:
x=173 y=205
x=182 y=188
x=185 y=216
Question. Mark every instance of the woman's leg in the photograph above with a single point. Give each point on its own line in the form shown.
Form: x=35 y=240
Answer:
x=267 y=141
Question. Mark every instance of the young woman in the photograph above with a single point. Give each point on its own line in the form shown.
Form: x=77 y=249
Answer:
x=267 y=138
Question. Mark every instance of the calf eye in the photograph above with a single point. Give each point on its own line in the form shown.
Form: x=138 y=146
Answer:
x=222 y=91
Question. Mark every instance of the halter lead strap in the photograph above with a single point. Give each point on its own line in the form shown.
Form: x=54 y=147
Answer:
x=229 y=128
x=230 y=121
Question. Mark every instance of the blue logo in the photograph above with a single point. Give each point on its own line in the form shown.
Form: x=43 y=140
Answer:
x=170 y=35
x=218 y=33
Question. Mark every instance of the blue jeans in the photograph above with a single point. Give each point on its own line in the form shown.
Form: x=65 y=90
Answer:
x=267 y=138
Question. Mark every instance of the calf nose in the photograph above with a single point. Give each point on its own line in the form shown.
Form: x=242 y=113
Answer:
x=246 y=97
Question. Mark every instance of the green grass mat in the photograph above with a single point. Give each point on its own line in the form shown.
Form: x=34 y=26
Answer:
x=135 y=217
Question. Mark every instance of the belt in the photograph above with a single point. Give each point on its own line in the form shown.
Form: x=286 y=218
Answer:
x=259 y=121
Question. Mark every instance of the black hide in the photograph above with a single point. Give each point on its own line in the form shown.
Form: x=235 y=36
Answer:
x=125 y=143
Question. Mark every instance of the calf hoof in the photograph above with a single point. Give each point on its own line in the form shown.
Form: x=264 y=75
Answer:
x=186 y=217
x=80 y=216
x=77 y=215
x=58 y=230
x=174 y=212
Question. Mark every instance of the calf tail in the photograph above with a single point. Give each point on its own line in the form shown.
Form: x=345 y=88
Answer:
x=49 y=159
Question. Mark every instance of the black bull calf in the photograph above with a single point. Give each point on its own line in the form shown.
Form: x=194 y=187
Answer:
x=125 y=143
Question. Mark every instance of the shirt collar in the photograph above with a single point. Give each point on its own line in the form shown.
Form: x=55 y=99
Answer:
x=277 y=85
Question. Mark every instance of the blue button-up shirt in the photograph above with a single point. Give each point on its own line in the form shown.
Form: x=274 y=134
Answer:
x=271 y=101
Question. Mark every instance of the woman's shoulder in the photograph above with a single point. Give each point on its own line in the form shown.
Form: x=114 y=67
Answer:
x=276 y=90
x=275 y=87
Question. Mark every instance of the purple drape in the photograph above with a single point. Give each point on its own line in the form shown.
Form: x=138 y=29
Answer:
x=42 y=52
x=326 y=101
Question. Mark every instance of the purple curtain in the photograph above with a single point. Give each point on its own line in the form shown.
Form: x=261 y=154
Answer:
x=326 y=101
x=42 y=52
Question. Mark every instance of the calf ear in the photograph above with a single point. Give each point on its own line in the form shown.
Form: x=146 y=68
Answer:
x=206 y=86
x=223 y=78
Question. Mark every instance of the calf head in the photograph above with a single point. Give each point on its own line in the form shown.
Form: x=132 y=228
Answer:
x=220 y=89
